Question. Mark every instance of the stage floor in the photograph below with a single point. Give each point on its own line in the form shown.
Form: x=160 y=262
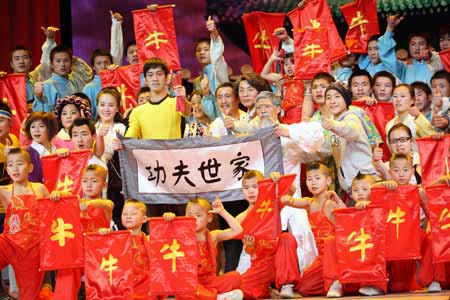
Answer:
x=444 y=295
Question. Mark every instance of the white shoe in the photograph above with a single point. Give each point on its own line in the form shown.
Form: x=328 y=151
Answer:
x=370 y=291
x=434 y=287
x=287 y=291
x=335 y=290
x=231 y=295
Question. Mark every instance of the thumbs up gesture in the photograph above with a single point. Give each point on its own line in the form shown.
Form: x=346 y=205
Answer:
x=210 y=24
x=204 y=85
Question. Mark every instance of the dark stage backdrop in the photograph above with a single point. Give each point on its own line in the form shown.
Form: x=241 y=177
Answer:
x=91 y=27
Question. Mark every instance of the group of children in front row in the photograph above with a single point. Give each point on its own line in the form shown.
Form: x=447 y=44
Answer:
x=273 y=262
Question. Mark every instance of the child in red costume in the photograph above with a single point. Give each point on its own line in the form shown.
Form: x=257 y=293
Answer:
x=19 y=243
x=320 y=208
x=211 y=286
x=96 y=213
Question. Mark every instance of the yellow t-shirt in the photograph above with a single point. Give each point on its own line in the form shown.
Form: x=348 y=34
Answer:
x=15 y=144
x=159 y=121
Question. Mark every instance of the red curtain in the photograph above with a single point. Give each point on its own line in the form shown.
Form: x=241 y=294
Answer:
x=20 y=24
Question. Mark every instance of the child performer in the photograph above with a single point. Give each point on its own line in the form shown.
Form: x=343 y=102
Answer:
x=19 y=244
x=210 y=286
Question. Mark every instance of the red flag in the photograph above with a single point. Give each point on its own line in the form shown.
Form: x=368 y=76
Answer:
x=402 y=220
x=434 y=158
x=155 y=35
x=127 y=80
x=362 y=20
x=380 y=114
x=64 y=174
x=263 y=221
x=61 y=244
x=316 y=14
x=108 y=266
x=360 y=244
x=173 y=255
x=445 y=58
x=13 y=91
x=312 y=54
x=259 y=28
x=439 y=209
x=292 y=101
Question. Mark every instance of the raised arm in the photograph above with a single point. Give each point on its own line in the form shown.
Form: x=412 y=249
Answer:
x=235 y=227
x=116 y=47
x=267 y=73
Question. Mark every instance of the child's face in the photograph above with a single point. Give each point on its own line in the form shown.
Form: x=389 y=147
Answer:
x=197 y=109
x=361 y=190
x=144 y=97
x=317 y=182
x=82 y=137
x=107 y=108
x=400 y=142
x=18 y=167
x=202 y=54
x=265 y=109
x=156 y=80
x=250 y=190
x=21 y=61
x=335 y=102
x=202 y=217
x=92 y=184
x=101 y=63
x=401 y=171
x=444 y=42
x=422 y=101
x=383 y=89
x=133 y=217
x=288 y=65
x=226 y=99
x=5 y=126
x=416 y=45
x=440 y=87
x=372 y=52
x=360 y=87
x=39 y=132
x=247 y=94
x=318 y=90
x=61 y=63
x=402 y=100
x=69 y=113
x=132 y=56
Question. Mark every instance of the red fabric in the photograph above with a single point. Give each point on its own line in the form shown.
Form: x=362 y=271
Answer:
x=179 y=238
x=127 y=80
x=403 y=220
x=311 y=283
x=114 y=251
x=263 y=221
x=141 y=268
x=402 y=275
x=364 y=231
x=155 y=35
x=292 y=101
x=439 y=213
x=322 y=229
x=362 y=20
x=64 y=174
x=430 y=271
x=445 y=58
x=68 y=282
x=286 y=261
x=259 y=28
x=319 y=11
x=312 y=53
x=61 y=234
x=434 y=158
x=20 y=24
x=13 y=92
x=93 y=219
x=380 y=114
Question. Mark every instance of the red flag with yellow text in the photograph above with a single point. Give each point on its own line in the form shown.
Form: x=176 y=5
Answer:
x=127 y=80
x=360 y=244
x=402 y=209
x=434 y=158
x=316 y=14
x=439 y=211
x=64 y=173
x=445 y=58
x=13 y=91
x=362 y=20
x=61 y=245
x=155 y=35
x=108 y=266
x=259 y=28
x=292 y=103
x=173 y=255
x=263 y=221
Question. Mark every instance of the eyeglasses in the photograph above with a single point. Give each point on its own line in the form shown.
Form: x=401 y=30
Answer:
x=400 y=140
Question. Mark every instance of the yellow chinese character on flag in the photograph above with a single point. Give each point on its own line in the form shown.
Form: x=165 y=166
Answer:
x=64 y=185
x=358 y=21
x=445 y=214
x=396 y=218
x=312 y=50
x=173 y=254
x=264 y=208
x=123 y=96
x=13 y=111
x=109 y=266
x=362 y=238
x=263 y=38
x=154 y=39
x=61 y=231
